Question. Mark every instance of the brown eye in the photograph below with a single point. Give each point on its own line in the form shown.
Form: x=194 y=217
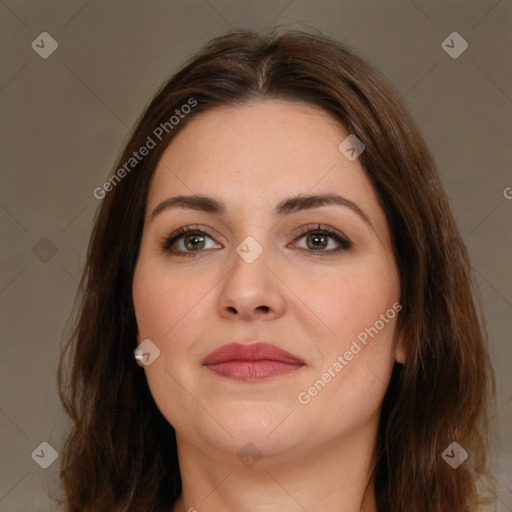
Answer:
x=319 y=239
x=193 y=242
x=186 y=241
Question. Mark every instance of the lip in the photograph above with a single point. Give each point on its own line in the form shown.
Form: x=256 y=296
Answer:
x=251 y=362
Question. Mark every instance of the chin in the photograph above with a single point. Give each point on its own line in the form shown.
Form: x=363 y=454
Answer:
x=254 y=429
x=255 y=445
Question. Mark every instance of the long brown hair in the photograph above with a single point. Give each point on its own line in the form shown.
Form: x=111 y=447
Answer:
x=121 y=452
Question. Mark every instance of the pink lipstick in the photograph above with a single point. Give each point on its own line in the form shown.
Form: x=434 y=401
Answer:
x=252 y=362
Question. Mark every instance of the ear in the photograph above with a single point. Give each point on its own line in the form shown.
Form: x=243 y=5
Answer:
x=401 y=350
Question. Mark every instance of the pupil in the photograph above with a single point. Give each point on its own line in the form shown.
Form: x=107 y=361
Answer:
x=195 y=237
x=316 y=238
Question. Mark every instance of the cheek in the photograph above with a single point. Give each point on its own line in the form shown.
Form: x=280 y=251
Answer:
x=165 y=307
x=352 y=299
x=163 y=300
x=357 y=356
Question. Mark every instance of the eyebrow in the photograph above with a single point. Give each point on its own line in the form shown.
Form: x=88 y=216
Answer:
x=287 y=206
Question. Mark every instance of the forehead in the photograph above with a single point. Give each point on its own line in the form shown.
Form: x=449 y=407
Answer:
x=256 y=154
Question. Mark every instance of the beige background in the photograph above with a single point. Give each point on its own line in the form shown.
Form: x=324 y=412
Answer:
x=64 y=120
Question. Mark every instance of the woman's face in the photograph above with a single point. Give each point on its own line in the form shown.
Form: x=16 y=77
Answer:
x=264 y=270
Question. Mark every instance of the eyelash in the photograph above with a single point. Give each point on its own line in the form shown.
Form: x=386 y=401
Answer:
x=167 y=241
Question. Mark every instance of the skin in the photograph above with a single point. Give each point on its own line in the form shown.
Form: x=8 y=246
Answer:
x=316 y=455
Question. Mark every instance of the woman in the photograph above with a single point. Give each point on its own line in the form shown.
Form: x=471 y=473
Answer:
x=276 y=310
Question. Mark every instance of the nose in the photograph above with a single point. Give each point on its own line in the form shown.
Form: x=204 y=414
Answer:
x=251 y=291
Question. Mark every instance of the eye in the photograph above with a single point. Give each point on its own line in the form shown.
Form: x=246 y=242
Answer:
x=317 y=239
x=189 y=241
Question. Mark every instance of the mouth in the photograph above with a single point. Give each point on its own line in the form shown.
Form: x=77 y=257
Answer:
x=253 y=362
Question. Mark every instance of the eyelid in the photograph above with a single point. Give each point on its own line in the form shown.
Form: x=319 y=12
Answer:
x=341 y=239
x=166 y=240
x=317 y=226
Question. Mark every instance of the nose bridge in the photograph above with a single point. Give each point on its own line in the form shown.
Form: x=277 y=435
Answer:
x=250 y=250
x=250 y=266
x=250 y=285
